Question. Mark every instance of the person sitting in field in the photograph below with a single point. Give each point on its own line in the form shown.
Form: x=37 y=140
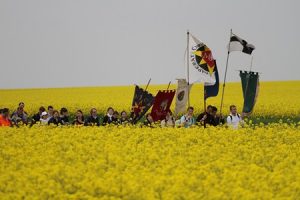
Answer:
x=19 y=116
x=22 y=106
x=108 y=118
x=205 y=117
x=149 y=120
x=79 y=118
x=187 y=120
x=50 y=111
x=55 y=119
x=234 y=119
x=44 y=118
x=169 y=120
x=36 y=117
x=4 y=117
x=115 y=118
x=216 y=118
x=124 y=118
x=93 y=119
x=64 y=116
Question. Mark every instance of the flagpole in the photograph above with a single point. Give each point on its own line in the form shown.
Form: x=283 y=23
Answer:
x=204 y=108
x=148 y=84
x=251 y=63
x=225 y=73
x=188 y=66
x=169 y=85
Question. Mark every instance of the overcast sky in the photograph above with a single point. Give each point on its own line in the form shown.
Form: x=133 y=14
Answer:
x=59 y=43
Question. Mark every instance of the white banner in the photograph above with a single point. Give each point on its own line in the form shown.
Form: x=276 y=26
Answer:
x=182 y=94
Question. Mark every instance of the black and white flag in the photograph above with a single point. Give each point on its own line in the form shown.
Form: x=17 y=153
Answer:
x=238 y=44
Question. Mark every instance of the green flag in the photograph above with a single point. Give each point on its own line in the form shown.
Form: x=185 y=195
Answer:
x=250 y=85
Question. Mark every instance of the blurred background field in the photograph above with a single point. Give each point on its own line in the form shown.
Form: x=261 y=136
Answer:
x=276 y=100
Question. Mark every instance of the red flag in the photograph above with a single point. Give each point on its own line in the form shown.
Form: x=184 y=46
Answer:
x=162 y=103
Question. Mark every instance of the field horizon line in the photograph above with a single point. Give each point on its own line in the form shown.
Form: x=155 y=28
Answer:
x=142 y=85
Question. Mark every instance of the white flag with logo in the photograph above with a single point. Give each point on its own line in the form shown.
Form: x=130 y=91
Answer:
x=182 y=94
x=202 y=63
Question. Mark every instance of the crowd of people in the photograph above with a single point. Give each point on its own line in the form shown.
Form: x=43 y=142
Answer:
x=54 y=117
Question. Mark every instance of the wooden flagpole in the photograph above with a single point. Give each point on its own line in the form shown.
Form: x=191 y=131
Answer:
x=148 y=84
x=188 y=65
x=223 y=90
x=204 y=108
x=169 y=85
x=251 y=63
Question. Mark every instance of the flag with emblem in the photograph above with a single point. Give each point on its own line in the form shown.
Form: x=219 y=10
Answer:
x=182 y=94
x=142 y=101
x=250 y=86
x=202 y=62
x=212 y=90
x=162 y=104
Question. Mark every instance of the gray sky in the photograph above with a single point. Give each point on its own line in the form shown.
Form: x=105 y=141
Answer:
x=59 y=43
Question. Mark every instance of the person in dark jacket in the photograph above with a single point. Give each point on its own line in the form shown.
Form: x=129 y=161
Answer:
x=216 y=119
x=64 y=116
x=55 y=119
x=108 y=118
x=205 y=117
x=79 y=118
x=93 y=119
x=115 y=118
x=36 y=117
x=124 y=118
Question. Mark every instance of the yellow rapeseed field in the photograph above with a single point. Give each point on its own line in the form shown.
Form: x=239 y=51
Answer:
x=125 y=162
x=150 y=163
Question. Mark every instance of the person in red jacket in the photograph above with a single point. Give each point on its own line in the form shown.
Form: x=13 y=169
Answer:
x=4 y=117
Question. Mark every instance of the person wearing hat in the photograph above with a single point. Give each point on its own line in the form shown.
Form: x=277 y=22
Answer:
x=44 y=118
